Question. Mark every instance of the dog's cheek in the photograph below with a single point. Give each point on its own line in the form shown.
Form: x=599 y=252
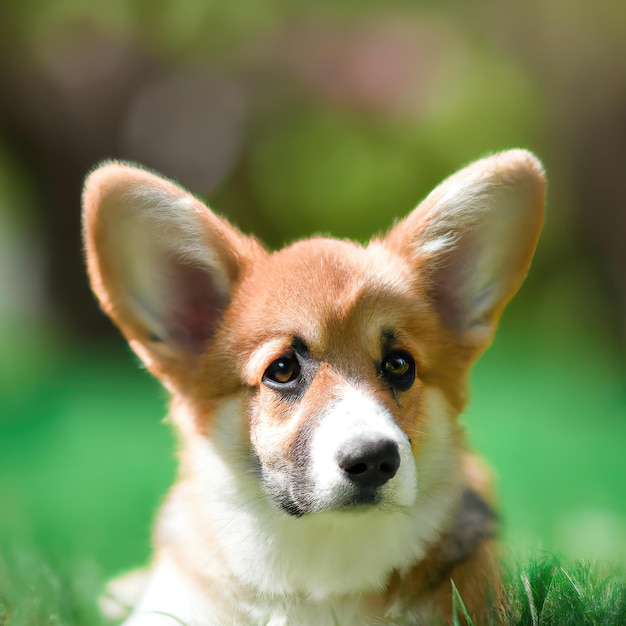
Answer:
x=281 y=435
x=272 y=430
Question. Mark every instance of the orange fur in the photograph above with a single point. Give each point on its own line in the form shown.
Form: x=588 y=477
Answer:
x=269 y=522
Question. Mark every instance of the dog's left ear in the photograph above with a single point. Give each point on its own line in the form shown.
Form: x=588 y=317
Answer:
x=472 y=240
x=163 y=265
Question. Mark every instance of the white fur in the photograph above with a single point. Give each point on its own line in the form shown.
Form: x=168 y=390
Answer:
x=171 y=598
x=356 y=415
x=270 y=568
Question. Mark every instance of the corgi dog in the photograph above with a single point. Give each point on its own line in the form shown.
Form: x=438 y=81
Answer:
x=324 y=475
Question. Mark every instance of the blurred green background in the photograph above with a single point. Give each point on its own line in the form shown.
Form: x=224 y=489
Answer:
x=293 y=118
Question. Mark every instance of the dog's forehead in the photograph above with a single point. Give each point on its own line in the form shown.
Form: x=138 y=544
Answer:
x=321 y=289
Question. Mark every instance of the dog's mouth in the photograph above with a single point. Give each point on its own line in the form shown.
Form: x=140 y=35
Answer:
x=360 y=500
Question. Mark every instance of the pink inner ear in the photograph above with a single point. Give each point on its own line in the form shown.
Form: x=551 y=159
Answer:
x=449 y=286
x=196 y=308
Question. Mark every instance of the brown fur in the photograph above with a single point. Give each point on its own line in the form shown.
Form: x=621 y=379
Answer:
x=221 y=309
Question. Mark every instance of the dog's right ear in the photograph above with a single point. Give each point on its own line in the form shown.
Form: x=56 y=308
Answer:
x=162 y=265
x=472 y=239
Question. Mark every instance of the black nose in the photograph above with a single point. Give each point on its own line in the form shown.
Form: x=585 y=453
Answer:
x=370 y=463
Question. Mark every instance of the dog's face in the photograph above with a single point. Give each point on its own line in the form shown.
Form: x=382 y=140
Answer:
x=330 y=363
x=329 y=346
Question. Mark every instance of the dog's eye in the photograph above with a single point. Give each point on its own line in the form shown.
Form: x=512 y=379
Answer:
x=398 y=368
x=282 y=371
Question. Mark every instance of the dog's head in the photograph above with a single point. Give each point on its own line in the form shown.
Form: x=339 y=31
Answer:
x=330 y=347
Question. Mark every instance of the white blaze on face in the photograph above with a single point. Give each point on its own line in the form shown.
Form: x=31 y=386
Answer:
x=353 y=418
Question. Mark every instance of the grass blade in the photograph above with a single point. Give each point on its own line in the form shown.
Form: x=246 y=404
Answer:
x=457 y=601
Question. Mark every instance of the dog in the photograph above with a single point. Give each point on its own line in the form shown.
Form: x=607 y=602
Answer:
x=324 y=475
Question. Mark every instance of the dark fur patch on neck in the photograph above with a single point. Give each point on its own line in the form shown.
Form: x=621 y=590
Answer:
x=474 y=522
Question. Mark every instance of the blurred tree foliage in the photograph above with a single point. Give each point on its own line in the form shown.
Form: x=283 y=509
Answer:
x=294 y=118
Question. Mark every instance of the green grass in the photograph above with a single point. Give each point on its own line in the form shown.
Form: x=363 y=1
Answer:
x=34 y=592
x=548 y=591
x=459 y=610
x=84 y=458
x=544 y=591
